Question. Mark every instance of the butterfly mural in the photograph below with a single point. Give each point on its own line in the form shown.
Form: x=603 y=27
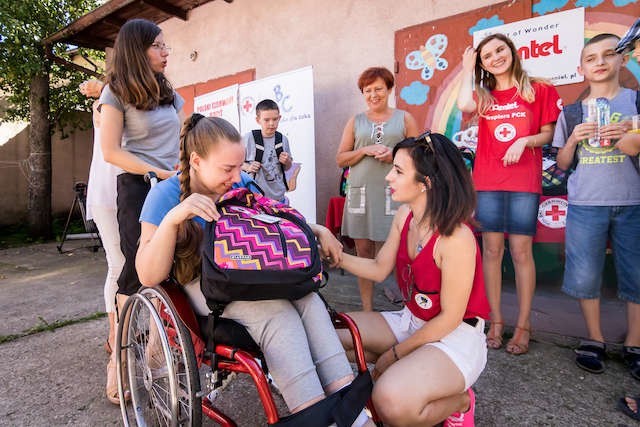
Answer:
x=429 y=57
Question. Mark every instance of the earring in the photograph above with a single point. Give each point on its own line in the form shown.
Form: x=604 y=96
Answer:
x=423 y=190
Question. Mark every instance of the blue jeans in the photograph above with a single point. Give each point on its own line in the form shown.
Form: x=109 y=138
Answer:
x=508 y=212
x=587 y=232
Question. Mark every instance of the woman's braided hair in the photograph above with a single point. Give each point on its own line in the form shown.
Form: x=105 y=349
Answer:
x=198 y=135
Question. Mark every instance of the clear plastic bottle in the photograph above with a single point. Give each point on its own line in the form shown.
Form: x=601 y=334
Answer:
x=604 y=113
x=598 y=111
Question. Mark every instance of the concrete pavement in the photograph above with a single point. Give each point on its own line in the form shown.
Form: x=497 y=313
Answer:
x=57 y=378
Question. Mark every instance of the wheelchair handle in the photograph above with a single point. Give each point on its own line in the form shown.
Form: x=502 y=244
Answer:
x=151 y=178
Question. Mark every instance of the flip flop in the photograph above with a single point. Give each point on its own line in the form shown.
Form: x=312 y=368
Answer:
x=631 y=356
x=624 y=407
x=590 y=356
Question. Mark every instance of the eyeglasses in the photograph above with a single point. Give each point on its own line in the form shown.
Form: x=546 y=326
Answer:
x=161 y=46
x=377 y=132
x=409 y=283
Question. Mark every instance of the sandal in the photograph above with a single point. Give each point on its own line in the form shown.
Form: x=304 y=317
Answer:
x=107 y=347
x=623 y=405
x=112 y=383
x=590 y=356
x=631 y=355
x=516 y=345
x=494 y=338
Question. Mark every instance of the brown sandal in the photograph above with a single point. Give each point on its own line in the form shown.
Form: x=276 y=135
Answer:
x=516 y=346
x=112 y=383
x=494 y=338
x=107 y=347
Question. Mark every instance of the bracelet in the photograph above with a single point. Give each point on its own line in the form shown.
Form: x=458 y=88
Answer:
x=393 y=349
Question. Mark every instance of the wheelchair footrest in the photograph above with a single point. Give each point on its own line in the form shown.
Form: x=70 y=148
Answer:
x=342 y=407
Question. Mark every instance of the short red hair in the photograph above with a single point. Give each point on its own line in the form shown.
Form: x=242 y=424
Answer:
x=370 y=75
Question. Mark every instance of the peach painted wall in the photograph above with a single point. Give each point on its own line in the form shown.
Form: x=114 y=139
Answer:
x=339 y=38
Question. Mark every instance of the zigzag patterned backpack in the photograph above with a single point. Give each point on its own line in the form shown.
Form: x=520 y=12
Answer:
x=258 y=249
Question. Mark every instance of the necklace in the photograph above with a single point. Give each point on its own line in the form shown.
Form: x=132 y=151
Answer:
x=422 y=238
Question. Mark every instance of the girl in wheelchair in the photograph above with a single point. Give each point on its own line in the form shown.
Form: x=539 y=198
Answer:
x=297 y=338
x=427 y=355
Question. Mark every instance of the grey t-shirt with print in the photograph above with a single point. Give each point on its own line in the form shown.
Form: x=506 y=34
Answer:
x=153 y=136
x=604 y=176
x=269 y=177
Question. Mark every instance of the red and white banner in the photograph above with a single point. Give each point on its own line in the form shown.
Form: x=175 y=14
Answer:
x=220 y=103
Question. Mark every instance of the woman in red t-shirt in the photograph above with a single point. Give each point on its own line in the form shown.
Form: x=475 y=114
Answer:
x=517 y=116
x=427 y=355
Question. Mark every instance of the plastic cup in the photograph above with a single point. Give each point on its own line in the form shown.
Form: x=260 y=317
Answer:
x=635 y=124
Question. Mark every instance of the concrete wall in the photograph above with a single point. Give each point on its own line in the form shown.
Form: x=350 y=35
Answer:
x=339 y=38
x=71 y=159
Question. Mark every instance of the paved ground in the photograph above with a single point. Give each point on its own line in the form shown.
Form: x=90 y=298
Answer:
x=57 y=378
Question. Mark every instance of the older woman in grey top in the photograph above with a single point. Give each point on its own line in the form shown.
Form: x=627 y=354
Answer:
x=140 y=133
x=367 y=141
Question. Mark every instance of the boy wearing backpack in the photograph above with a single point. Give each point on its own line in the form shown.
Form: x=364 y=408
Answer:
x=268 y=155
x=604 y=202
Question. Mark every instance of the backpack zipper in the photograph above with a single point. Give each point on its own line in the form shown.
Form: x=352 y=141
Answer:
x=283 y=241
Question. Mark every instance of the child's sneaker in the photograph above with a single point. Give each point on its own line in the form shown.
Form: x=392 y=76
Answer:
x=463 y=419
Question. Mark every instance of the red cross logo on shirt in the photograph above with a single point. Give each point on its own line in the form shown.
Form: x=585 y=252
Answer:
x=505 y=132
x=555 y=212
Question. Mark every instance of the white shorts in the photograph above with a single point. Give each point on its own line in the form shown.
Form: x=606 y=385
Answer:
x=466 y=345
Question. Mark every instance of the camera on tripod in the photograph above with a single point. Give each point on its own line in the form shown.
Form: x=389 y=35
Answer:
x=91 y=231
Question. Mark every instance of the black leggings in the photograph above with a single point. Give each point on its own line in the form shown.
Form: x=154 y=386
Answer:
x=132 y=191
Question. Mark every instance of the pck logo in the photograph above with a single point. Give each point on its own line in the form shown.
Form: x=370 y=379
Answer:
x=535 y=49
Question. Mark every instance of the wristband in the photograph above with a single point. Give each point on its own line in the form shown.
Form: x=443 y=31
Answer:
x=393 y=349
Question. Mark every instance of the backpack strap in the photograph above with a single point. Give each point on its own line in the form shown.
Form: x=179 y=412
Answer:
x=279 y=145
x=573 y=117
x=257 y=137
x=635 y=160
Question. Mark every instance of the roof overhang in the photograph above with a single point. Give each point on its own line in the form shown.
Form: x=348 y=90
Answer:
x=98 y=29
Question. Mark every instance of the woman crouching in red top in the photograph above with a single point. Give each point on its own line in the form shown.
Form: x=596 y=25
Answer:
x=429 y=354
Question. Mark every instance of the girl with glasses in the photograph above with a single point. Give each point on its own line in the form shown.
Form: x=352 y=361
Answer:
x=139 y=133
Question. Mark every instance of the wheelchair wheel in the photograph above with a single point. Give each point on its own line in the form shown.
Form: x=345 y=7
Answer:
x=158 y=363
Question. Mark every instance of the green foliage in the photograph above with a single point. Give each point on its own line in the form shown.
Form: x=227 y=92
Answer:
x=23 y=25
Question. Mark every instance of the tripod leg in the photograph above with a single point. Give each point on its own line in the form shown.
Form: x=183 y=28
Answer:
x=95 y=234
x=66 y=226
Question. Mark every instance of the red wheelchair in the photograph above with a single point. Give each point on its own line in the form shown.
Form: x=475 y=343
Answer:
x=160 y=351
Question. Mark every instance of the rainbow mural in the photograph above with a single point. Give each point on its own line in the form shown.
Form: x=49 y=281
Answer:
x=444 y=115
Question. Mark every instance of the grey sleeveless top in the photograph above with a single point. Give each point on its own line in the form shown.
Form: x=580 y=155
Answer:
x=369 y=210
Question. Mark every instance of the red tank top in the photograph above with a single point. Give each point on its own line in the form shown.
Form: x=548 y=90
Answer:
x=420 y=280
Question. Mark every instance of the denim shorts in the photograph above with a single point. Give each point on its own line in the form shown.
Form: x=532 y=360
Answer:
x=587 y=232
x=508 y=212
